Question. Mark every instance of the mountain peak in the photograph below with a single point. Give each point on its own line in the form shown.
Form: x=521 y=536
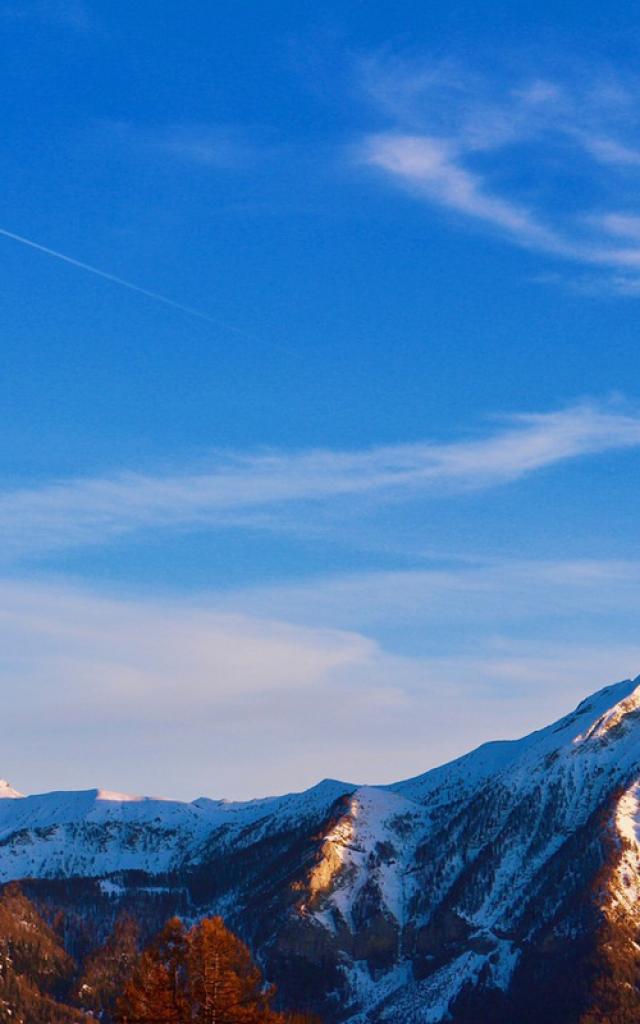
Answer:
x=7 y=791
x=110 y=796
x=624 y=706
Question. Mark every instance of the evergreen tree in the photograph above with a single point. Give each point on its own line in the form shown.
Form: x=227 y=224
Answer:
x=109 y=969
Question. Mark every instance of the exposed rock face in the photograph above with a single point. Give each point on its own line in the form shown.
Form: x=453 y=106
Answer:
x=490 y=890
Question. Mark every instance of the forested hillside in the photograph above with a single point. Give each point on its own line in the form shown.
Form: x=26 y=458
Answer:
x=184 y=976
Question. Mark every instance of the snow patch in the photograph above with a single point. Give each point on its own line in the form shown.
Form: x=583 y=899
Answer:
x=612 y=718
x=7 y=792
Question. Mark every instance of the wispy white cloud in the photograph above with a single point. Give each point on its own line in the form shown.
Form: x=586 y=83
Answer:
x=610 y=151
x=431 y=167
x=217 y=146
x=93 y=510
x=463 y=598
x=467 y=144
x=137 y=650
x=622 y=224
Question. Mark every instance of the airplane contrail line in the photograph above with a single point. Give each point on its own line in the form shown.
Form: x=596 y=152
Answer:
x=121 y=281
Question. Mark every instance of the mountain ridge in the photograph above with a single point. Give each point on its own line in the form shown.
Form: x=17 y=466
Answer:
x=431 y=899
x=620 y=691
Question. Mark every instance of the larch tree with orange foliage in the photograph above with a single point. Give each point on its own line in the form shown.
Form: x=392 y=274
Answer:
x=204 y=976
x=226 y=986
x=157 y=990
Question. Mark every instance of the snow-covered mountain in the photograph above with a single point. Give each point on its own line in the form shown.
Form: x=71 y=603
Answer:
x=479 y=891
x=6 y=791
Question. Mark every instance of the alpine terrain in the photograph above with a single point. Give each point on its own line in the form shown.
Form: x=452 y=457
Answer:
x=502 y=887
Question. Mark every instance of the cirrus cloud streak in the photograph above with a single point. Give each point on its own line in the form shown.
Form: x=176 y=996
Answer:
x=93 y=510
x=552 y=165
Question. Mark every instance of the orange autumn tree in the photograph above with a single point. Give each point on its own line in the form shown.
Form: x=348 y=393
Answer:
x=204 y=976
x=158 y=988
x=226 y=986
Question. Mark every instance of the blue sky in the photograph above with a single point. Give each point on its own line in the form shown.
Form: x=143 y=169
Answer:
x=369 y=497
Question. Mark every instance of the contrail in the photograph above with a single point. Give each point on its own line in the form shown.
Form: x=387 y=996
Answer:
x=119 y=280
